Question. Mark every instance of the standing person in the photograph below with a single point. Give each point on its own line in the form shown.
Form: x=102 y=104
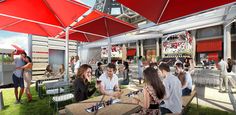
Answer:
x=126 y=73
x=77 y=63
x=153 y=92
x=185 y=79
x=109 y=82
x=230 y=65
x=223 y=74
x=72 y=64
x=186 y=64
x=173 y=97
x=98 y=71
x=17 y=76
x=82 y=83
x=27 y=76
x=140 y=69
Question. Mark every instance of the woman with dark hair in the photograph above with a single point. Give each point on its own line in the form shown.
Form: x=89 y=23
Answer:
x=126 y=73
x=153 y=91
x=82 y=83
x=186 y=64
x=27 y=76
x=230 y=65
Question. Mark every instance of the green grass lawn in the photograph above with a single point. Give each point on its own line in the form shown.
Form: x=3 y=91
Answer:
x=41 y=106
x=36 y=107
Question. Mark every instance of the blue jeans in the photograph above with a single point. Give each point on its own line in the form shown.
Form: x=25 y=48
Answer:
x=18 y=81
x=164 y=111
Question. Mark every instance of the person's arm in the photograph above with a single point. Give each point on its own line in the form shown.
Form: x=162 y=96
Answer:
x=146 y=100
x=79 y=94
x=186 y=80
x=28 y=65
x=90 y=93
x=167 y=89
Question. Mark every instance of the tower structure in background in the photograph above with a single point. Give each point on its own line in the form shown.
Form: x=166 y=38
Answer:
x=116 y=9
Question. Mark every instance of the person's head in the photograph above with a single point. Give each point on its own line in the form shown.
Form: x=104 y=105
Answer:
x=76 y=58
x=62 y=68
x=111 y=68
x=28 y=59
x=23 y=55
x=72 y=58
x=221 y=58
x=179 y=67
x=140 y=57
x=164 y=69
x=85 y=72
x=99 y=64
x=126 y=65
x=151 y=77
x=49 y=68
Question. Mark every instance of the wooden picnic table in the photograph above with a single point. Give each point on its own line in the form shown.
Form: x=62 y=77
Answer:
x=125 y=106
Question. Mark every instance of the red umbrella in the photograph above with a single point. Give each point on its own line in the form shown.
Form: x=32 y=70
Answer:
x=101 y=24
x=39 y=17
x=160 y=11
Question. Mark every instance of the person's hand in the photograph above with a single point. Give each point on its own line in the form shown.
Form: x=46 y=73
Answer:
x=117 y=94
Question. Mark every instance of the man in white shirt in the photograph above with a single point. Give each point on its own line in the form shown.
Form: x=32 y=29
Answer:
x=109 y=82
x=223 y=74
x=172 y=99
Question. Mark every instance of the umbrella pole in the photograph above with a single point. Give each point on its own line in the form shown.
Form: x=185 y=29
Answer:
x=67 y=55
x=109 y=50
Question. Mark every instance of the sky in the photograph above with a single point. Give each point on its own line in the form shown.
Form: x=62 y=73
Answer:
x=20 y=39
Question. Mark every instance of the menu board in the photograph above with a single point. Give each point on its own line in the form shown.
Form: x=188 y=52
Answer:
x=177 y=45
x=116 y=52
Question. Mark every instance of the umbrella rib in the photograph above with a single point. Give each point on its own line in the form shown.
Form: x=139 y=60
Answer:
x=107 y=29
x=24 y=19
x=86 y=37
x=11 y=24
x=76 y=3
x=163 y=10
x=51 y=10
x=45 y=30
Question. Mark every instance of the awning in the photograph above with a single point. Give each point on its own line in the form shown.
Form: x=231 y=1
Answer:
x=209 y=45
x=131 y=52
x=160 y=11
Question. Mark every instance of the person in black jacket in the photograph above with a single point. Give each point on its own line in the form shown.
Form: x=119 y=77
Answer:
x=98 y=71
x=82 y=83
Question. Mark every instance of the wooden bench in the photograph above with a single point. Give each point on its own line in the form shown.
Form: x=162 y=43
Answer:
x=186 y=100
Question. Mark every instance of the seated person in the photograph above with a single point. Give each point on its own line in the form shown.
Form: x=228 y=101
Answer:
x=172 y=98
x=153 y=92
x=98 y=71
x=185 y=79
x=109 y=82
x=82 y=83
x=61 y=72
x=48 y=72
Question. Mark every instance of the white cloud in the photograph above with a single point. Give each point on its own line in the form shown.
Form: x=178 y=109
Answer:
x=20 y=40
